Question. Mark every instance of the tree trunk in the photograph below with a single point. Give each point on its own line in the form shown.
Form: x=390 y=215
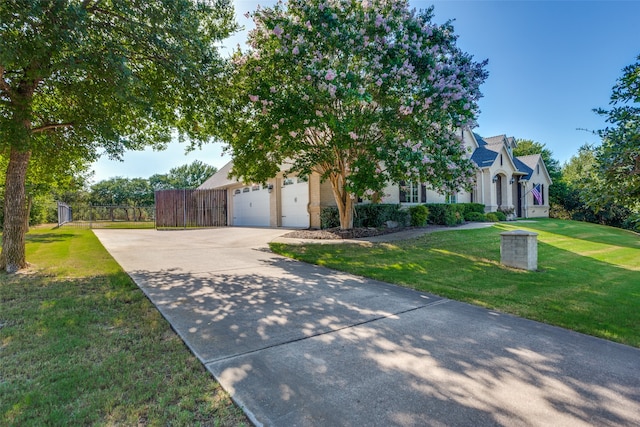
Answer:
x=343 y=200
x=13 y=256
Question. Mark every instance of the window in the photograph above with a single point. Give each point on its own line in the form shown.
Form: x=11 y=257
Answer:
x=409 y=192
x=255 y=187
x=452 y=198
x=246 y=189
x=236 y=192
x=287 y=181
x=538 y=194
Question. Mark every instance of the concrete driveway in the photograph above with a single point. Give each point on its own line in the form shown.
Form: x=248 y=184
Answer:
x=300 y=345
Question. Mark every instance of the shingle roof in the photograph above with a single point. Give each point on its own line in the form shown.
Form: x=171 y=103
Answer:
x=523 y=167
x=482 y=156
x=499 y=139
x=530 y=161
x=479 y=139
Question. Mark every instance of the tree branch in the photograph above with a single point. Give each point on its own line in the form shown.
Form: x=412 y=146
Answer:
x=4 y=86
x=51 y=126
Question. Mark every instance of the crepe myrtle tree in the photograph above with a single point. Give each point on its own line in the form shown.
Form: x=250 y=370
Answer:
x=83 y=77
x=361 y=92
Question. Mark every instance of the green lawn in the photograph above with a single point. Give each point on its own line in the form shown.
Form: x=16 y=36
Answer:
x=80 y=344
x=588 y=276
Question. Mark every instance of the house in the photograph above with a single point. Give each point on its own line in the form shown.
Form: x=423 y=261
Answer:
x=503 y=182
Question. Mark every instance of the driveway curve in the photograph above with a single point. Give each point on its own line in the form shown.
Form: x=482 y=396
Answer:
x=301 y=345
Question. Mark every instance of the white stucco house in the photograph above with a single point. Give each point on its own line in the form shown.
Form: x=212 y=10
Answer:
x=502 y=182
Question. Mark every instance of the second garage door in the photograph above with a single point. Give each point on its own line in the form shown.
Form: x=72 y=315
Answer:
x=294 y=201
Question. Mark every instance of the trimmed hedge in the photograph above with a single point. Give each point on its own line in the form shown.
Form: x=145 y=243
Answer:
x=491 y=217
x=368 y=215
x=452 y=214
x=475 y=216
x=419 y=215
x=377 y=214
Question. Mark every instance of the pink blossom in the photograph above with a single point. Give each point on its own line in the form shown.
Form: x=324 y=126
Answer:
x=272 y=89
x=295 y=50
x=254 y=98
x=330 y=75
x=379 y=82
x=319 y=113
x=293 y=134
x=353 y=135
x=277 y=31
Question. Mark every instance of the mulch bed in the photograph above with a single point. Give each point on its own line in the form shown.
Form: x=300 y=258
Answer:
x=337 y=233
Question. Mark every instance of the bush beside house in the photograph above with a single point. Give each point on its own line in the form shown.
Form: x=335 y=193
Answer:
x=377 y=215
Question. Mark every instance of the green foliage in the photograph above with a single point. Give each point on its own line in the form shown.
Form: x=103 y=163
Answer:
x=475 y=216
x=329 y=217
x=189 y=176
x=451 y=214
x=501 y=216
x=419 y=215
x=120 y=191
x=366 y=215
x=618 y=159
x=78 y=79
x=491 y=217
x=582 y=201
x=346 y=89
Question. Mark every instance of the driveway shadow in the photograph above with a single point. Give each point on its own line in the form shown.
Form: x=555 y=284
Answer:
x=297 y=344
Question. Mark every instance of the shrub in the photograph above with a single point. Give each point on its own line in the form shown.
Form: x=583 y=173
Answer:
x=366 y=215
x=472 y=207
x=452 y=214
x=419 y=215
x=475 y=216
x=501 y=216
x=329 y=217
x=491 y=217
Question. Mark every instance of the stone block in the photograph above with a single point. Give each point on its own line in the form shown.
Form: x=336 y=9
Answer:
x=519 y=249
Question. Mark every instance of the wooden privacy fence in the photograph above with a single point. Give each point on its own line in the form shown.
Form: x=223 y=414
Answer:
x=191 y=208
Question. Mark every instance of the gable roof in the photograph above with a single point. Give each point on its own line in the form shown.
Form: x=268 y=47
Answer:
x=523 y=167
x=220 y=179
x=483 y=157
x=531 y=162
x=499 y=139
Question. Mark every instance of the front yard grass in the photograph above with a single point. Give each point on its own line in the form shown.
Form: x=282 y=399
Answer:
x=80 y=344
x=588 y=276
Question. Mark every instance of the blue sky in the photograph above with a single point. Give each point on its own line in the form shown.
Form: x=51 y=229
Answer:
x=550 y=64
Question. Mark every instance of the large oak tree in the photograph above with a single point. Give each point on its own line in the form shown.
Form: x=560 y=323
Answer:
x=618 y=158
x=361 y=92
x=79 y=78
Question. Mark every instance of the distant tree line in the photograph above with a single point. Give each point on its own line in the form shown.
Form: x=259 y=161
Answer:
x=74 y=188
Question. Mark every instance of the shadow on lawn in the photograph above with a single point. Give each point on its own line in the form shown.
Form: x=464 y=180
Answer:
x=300 y=344
x=48 y=237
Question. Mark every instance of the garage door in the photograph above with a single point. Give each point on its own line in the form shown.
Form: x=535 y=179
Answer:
x=251 y=206
x=294 y=201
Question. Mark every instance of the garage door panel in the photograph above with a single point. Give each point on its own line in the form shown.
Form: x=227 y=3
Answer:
x=294 y=203
x=251 y=207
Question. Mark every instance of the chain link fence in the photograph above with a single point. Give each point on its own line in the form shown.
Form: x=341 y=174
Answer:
x=89 y=216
